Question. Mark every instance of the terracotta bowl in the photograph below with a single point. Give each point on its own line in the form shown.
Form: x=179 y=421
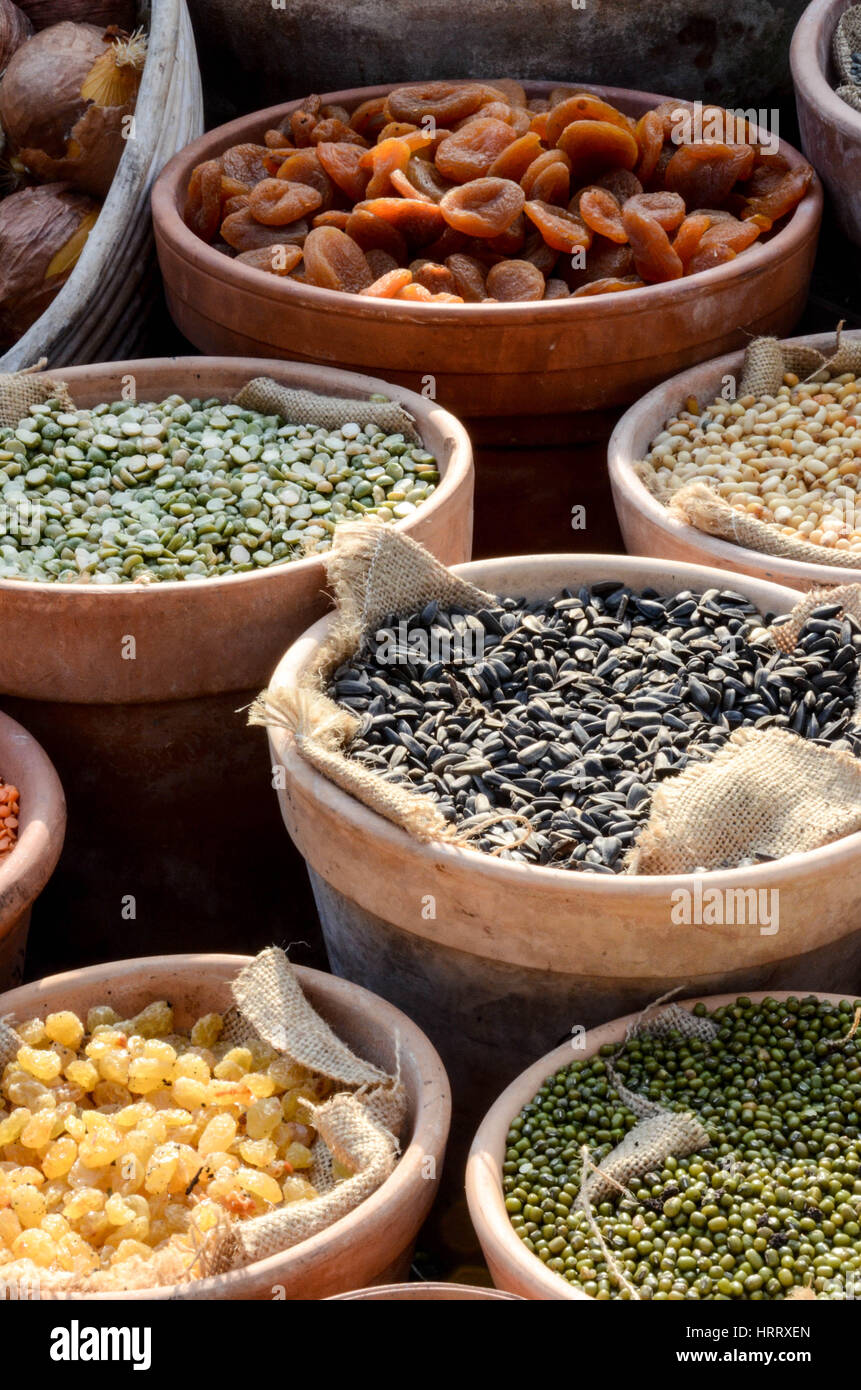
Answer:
x=496 y=959
x=372 y=1244
x=421 y=1293
x=494 y=359
x=648 y=528
x=42 y=827
x=512 y=1266
x=830 y=127
x=62 y=642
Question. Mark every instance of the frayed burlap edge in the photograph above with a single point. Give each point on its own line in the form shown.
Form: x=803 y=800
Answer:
x=701 y=506
x=20 y=391
x=375 y=572
x=768 y=360
x=846 y=46
x=270 y=397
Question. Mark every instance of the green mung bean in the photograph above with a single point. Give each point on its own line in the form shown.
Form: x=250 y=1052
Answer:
x=772 y=1204
x=188 y=490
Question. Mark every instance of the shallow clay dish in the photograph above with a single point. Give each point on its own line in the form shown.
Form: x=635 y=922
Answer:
x=494 y=359
x=830 y=127
x=512 y=1266
x=42 y=825
x=375 y=1241
x=421 y=1293
x=63 y=642
x=648 y=527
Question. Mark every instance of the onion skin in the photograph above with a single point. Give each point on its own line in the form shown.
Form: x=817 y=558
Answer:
x=34 y=225
x=15 y=30
x=54 y=131
x=43 y=13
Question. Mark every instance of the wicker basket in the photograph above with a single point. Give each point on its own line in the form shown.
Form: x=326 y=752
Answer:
x=100 y=313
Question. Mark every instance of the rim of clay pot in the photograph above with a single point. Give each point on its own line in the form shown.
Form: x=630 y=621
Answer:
x=42 y=820
x=814 y=33
x=169 y=194
x=353 y=384
x=628 y=444
x=430 y=1123
x=369 y=826
x=422 y=1293
x=503 y=1249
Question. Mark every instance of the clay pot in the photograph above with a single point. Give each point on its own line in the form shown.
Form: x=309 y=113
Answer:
x=149 y=748
x=512 y=1266
x=374 y=1242
x=485 y=359
x=42 y=826
x=421 y=1293
x=648 y=528
x=720 y=50
x=830 y=127
x=495 y=959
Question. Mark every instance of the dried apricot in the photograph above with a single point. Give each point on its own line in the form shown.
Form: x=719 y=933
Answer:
x=245 y=163
x=381 y=162
x=234 y=204
x=418 y=293
x=278 y=259
x=373 y=233
x=436 y=278
x=608 y=286
x=389 y=284
x=336 y=132
x=732 y=233
x=600 y=211
x=705 y=173
x=667 y=209
x=539 y=165
x=710 y=257
x=513 y=281
x=516 y=158
x=421 y=180
x=333 y=261
x=333 y=218
x=654 y=258
x=241 y=231
x=780 y=198
x=415 y=219
x=513 y=92
x=650 y=138
x=202 y=212
x=469 y=277
x=469 y=152
x=556 y=289
x=343 y=165
x=483 y=208
x=304 y=167
x=276 y=140
x=537 y=251
x=595 y=146
x=621 y=183
x=370 y=117
x=303 y=121
x=689 y=236
x=511 y=241
x=381 y=262
x=552 y=185
x=584 y=107
x=275 y=203
x=444 y=101
x=561 y=229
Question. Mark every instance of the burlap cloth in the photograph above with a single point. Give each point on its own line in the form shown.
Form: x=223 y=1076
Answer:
x=700 y=506
x=847 y=56
x=20 y=391
x=767 y=793
x=359 y=1127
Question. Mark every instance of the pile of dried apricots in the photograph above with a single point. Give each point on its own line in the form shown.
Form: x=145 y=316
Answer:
x=469 y=192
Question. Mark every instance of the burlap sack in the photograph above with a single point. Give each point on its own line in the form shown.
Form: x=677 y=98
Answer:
x=358 y=1127
x=374 y=572
x=307 y=407
x=20 y=391
x=767 y=360
x=847 y=56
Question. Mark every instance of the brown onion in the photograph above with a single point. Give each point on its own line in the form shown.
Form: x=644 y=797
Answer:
x=15 y=29
x=42 y=233
x=44 y=13
x=64 y=103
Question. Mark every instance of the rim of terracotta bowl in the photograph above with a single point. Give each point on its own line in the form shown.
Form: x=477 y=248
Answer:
x=484 y=1165
x=453 y=470
x=168 y=198
x=814 y=33
x=624 y=449
x=432 y=1110
x=42 y=820
x=422 y=1292
x=369 y=826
